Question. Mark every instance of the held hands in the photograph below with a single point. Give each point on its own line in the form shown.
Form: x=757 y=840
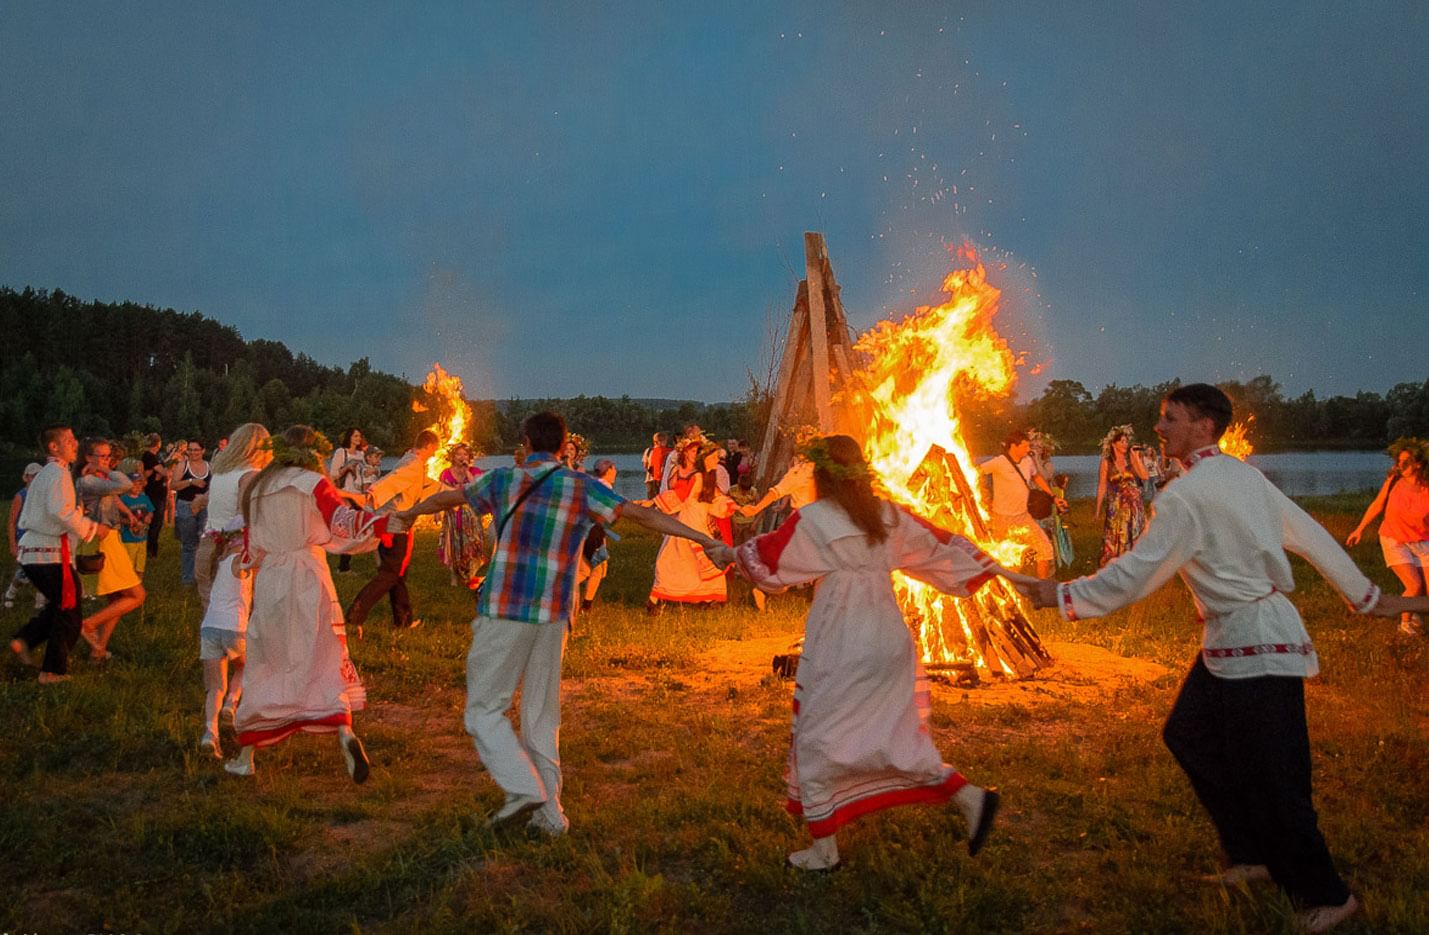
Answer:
x=1392 y=605
x=1042 y=592
x=721 y=554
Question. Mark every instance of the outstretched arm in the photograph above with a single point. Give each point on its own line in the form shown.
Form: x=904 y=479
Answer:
x=665 y=524
x=438 y=502
x=1372 y=511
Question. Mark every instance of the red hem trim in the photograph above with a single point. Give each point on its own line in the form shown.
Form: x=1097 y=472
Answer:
x=918 y=795
x=266 y=738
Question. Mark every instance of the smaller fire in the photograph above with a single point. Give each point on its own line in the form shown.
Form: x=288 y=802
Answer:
x=452 y=410
x=1235 y=443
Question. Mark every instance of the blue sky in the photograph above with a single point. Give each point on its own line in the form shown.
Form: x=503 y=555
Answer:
x=556 y=199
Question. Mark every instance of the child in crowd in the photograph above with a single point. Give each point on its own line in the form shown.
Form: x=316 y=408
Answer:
x=135 y=534
x=12 y=528
x=371 y=468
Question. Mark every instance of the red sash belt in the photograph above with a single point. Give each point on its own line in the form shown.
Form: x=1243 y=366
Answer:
x=68 y=599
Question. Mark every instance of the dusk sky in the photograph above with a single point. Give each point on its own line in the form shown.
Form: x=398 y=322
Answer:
x=555 y=199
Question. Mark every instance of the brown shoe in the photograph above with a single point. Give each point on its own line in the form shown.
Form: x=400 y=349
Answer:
x=1324 y=918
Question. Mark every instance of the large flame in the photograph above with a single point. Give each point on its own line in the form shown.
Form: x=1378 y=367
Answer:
x=921 y=374
x=452 y=411
x=1235 y=443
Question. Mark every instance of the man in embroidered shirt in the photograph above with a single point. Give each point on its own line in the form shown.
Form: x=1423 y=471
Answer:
x=542 y=512
x=1013 y=473
x=407 y=484
x=54 y=526
x=1238 y=727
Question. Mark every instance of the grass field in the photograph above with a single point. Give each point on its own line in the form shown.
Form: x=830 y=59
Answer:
x=674 y=741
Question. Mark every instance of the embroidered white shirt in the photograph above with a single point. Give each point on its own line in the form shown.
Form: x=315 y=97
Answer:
x=1226 y=529
x=51 y=511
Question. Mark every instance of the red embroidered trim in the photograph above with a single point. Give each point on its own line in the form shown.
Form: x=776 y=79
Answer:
x=1199 y=456
x=843 y=814
x=266 y=738
x=328 y=501
x=1263 y=649
x=1067 y=610
x=771 y=545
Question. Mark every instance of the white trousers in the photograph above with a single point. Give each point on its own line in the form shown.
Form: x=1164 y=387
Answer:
x=506 y=654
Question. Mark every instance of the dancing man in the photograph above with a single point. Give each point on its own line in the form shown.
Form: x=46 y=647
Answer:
x=542 y=513
x=1237 y=728
x=404 y=486
x=54 y=525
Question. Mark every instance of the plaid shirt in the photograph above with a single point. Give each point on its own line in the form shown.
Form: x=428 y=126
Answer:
x=533 y=572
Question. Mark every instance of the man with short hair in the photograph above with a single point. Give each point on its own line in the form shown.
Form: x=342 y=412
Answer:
x=542 y=512
x=54 y=526
x=1014 y=473
x=405 y=486
x=1238 y=727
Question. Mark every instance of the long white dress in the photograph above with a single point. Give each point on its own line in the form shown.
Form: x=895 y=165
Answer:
x=683 y=572
x=860 y=739
x=298 y=675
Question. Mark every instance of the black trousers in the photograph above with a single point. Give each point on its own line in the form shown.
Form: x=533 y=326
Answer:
x=57 y=629
x=156 y=525
x=1244 y=745
x=391 y=580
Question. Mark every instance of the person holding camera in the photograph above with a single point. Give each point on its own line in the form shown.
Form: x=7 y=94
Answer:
x=1015 y=479
x=1119 y=503
x=54 y=525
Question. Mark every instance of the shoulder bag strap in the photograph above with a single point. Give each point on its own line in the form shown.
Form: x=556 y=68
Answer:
x=1025 y=482
x=501 y=526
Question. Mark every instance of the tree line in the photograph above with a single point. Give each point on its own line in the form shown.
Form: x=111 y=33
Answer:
x=121 y=368
x=113 y=369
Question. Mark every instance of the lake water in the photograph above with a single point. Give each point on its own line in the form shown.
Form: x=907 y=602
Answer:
x=1299 y=474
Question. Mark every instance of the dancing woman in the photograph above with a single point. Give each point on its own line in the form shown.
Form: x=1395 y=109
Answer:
x=99 y=487
x=683 y=572
x=861 y=740
x=298 y=675
x=1119 y=503
x=223 y=632
x=1404 y=534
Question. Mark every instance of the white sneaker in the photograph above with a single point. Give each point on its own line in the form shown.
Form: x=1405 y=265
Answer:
x=239 y=767
x=209 y=745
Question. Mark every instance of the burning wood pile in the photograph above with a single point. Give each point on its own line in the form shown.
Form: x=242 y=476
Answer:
x=901 y=389
x=919 y=376
x=444 y=397
x=1235 y=442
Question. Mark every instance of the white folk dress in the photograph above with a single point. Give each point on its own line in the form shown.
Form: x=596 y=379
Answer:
x=298 y=675
x=861 y=741
x=683 y=572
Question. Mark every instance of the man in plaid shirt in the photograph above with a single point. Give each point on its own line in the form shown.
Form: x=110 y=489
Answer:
x=542 y=513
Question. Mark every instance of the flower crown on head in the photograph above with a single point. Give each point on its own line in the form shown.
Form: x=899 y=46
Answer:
x=309 y=457
x=1042 y=441
x=582 y=445
x=817 y=453
x=1115 y=432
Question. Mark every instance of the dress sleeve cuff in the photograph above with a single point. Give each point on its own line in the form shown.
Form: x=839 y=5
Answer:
x=1369 y=601
x=1064 y=603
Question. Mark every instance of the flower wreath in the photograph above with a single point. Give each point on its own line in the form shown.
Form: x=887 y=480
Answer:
x=1115 y=432
x=1043 y=442
x=817 y=453
x=308 y=457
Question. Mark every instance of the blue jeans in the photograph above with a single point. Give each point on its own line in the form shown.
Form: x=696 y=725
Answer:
x=188 y=526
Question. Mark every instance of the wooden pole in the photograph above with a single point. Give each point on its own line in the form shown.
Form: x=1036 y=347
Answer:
x=815 y=260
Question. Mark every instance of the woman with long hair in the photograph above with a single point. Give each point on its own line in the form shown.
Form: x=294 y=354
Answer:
x=463 y=546
x=1119 y=503
x=1404 y=533
x=223 y=631
x=683 y=572
x=99 y=487
x=860 y=740
x=298 y=675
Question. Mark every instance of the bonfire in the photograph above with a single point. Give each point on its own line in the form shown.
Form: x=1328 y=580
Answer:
x=919 y=377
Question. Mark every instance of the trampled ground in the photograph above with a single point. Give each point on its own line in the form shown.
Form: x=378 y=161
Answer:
x=674 y=737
